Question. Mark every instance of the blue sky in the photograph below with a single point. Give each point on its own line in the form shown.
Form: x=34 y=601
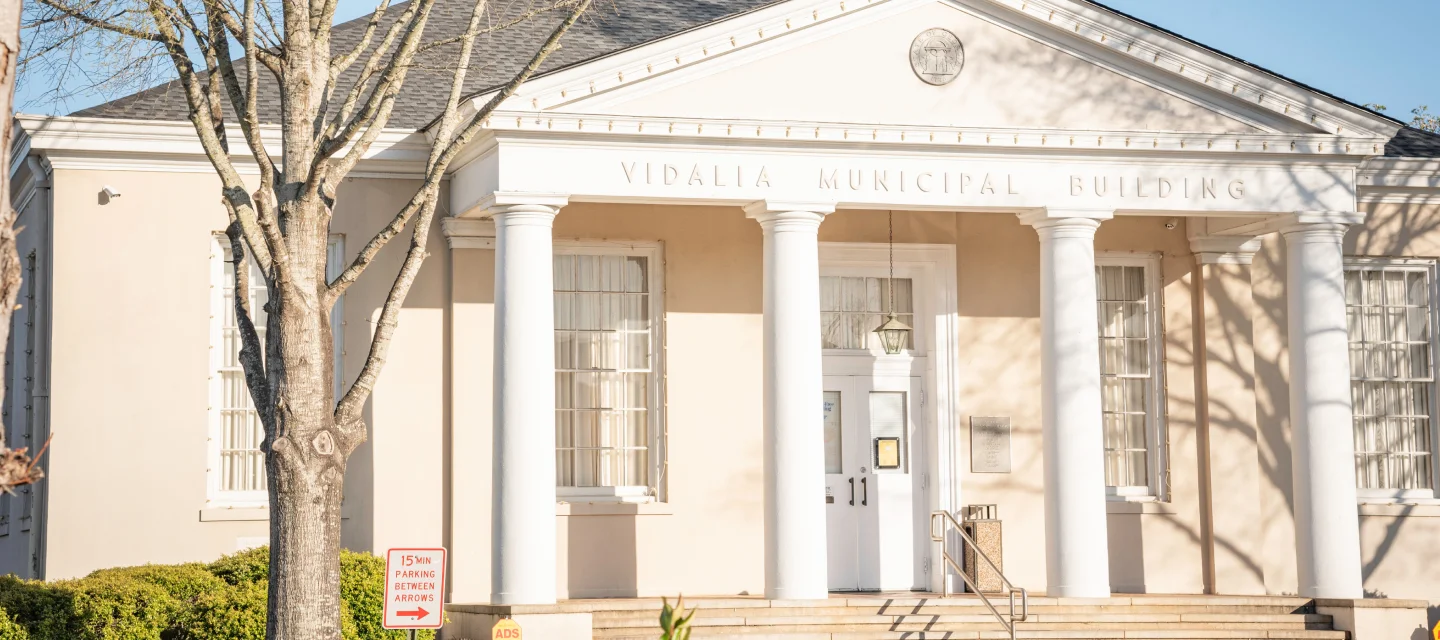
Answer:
x=1366 y=51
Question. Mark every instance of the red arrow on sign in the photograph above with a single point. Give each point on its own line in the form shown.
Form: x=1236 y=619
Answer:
x=418 y=613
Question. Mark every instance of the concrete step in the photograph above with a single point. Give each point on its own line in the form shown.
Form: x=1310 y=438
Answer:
x=1138 y=614
x=1118 y=621
x=1068 y=634
x=871 y=617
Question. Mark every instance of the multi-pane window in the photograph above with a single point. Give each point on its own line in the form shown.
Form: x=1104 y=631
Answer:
x=1128 y=371
x=852 y=307
x=1389 y=313
x=237 y=465
x=21 y=383
x=241 y=465
x=606 y=371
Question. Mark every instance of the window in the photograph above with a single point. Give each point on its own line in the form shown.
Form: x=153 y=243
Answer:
x=237 y=465
x=1128 y=292
x=607 y=382
x=852 y=307
x=1388 y=307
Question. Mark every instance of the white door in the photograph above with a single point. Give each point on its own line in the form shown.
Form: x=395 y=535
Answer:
x=871 y=486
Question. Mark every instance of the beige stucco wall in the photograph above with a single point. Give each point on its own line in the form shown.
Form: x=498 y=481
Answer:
x=130 y=367
x=127 y=471
x=1008 y=80
x=713 y=410
x=130 y=373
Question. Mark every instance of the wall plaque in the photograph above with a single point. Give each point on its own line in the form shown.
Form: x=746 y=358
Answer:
x=936 y=56
x=989 y=445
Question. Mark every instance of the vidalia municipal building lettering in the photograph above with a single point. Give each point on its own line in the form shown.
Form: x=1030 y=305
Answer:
x=962 y=183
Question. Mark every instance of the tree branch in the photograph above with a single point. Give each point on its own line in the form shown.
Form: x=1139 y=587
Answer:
x=251 y=361
x=348 y=409
x=103 y=24
x=340 y=64
x=262 y=235
x=342 y=128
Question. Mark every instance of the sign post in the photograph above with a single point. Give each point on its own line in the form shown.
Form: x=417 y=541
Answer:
x=414 y=589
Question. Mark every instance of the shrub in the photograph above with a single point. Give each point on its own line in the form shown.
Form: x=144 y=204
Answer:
x=10 y=629
x=230 y=613
x=116 y=608
x=184 y=582
x=222 y=600
x=243 y=568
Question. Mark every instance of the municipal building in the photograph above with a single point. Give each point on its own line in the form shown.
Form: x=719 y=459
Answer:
x=1169 y=328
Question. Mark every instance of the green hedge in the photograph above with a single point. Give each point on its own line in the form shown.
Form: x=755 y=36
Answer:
x=223 y=600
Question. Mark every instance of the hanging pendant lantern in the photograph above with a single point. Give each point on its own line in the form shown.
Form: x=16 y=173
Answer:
x=893 y=333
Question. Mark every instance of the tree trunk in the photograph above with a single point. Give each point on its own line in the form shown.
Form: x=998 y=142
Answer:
x=305 y=461
x=304 y=550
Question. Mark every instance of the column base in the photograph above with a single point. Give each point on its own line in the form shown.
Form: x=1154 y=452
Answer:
x=1377 y=619
x=797 y=594
x=1078 y=591
x=474 y=621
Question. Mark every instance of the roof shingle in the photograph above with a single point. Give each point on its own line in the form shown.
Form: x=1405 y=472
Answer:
x=609 y=27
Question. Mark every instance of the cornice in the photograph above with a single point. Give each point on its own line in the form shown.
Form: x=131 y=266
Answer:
x=1292 y=145
x=1384 y=195
x=468 y=233
x=1294 y=221
x=1400 y=172
x=148 y=145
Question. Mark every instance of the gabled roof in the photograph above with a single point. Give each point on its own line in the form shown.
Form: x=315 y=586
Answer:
x=1414 y=143
x=612 y=27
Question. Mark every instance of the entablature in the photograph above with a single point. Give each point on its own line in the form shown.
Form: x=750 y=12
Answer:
x=714 y=162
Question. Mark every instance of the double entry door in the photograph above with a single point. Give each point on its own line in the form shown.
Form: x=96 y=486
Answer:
x=871 y=483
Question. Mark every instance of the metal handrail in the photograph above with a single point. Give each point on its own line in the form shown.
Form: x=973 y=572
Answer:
x=1008 y=622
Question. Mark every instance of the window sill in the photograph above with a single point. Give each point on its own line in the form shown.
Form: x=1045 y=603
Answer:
x=613 y=509
x=1410 y=508
x=1139 y=505
x=235 y=514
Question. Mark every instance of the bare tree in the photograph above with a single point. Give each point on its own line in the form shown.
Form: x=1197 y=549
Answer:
x=16 y=466
x=333 y=105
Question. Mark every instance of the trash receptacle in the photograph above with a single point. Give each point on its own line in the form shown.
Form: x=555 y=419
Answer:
x=982 y=524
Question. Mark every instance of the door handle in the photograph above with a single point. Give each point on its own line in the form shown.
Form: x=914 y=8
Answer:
x=865 y=492
x=852 y=492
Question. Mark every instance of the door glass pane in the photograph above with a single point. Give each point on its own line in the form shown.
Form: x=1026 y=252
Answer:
x=851 y=308
x=887 y=421
x=833 y=435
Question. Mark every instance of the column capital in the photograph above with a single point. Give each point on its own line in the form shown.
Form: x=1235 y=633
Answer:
x=1048 y=217
x=511 y=201
x=468 y=233
x=767 y=212
x=1319 y=223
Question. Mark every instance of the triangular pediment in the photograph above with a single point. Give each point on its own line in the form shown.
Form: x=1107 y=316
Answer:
x=795 y=62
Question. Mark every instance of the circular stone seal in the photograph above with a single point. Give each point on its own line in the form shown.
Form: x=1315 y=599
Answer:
x=936 y=56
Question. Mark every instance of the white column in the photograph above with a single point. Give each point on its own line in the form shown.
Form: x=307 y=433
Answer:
x=1077 y=558
x=1327 y=524
x=795 y=560
x=523 y=512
